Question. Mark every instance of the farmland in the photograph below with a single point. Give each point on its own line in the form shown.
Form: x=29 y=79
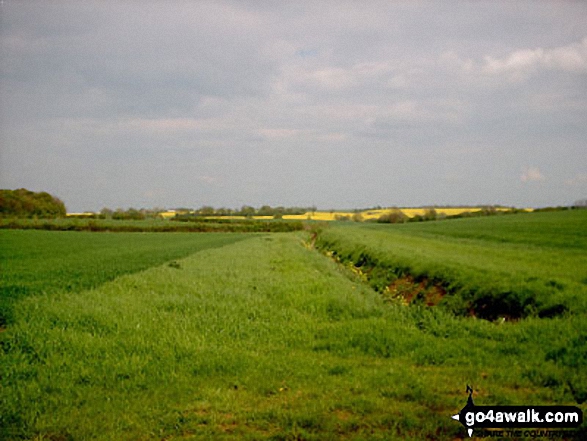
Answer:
x=289 y=335
x=38 y=262
x=516 y=265
x=374 y=214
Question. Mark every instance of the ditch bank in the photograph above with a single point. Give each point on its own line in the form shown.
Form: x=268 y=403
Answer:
x=401 y=283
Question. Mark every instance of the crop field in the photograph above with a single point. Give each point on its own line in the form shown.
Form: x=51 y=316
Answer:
x=39 y=262
x=376 y=213
x=507 y=265
x=295 y=335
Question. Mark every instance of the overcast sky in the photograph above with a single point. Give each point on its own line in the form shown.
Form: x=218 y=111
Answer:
x=339 y=104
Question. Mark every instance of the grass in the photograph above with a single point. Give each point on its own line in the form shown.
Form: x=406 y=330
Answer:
x=517 y=265
x=41 y=262
x=261 y=338
x=562 y=229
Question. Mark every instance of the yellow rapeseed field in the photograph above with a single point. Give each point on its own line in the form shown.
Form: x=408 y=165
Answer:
x=411 y=212
x=167 y=214
x=376 y=213
x=319 y=215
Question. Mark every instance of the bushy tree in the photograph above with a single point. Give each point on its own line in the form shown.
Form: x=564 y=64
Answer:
x=265 y=210
x=393 y=217
x=206 y=210
x=357 y=217
x=247 y=211
x=26 y=203
x=106 y=213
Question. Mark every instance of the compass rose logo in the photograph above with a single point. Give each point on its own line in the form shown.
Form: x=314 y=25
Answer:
x=460 y=417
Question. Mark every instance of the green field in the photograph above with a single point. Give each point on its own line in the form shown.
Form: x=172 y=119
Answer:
x=38 y=262
x=507 y=266
x=219 y=336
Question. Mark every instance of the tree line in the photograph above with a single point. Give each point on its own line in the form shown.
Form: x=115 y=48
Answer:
x=204 y=211
x=249 y=211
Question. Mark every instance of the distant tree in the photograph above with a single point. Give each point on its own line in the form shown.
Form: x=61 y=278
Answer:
x=430 y=214
x=130 y=214
x=279 y=211
x=489 y=210
x=134 y=214
x=224 y=211
x=395 y=216
x=206 y=210
x=26 y=203
x=106 y=213
x=247 y=211
x=265 y=210
x=119 y=214
x=357 y=217
x=582 y=203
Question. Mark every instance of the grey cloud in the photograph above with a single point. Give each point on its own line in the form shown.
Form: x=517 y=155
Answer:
x=333 y=103
x=139 y=62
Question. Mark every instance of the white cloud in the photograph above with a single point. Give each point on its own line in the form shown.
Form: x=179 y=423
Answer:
x=531 y=174
x=516 y=65
x=322 y=76
x=571 y=58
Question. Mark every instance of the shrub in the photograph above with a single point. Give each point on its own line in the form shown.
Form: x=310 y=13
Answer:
x=393 y=217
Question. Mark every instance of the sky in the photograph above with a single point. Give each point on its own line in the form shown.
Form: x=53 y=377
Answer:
x=336 y=104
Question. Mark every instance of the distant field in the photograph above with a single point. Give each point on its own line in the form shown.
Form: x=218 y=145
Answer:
x=214 y=337
x=374 y=214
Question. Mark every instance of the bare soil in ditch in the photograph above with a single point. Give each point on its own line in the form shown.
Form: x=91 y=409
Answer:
x=411 y=291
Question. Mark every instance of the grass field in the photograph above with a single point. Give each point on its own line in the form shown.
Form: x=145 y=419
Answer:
x=191 y=336
x=501 y=266
x=40 y=262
